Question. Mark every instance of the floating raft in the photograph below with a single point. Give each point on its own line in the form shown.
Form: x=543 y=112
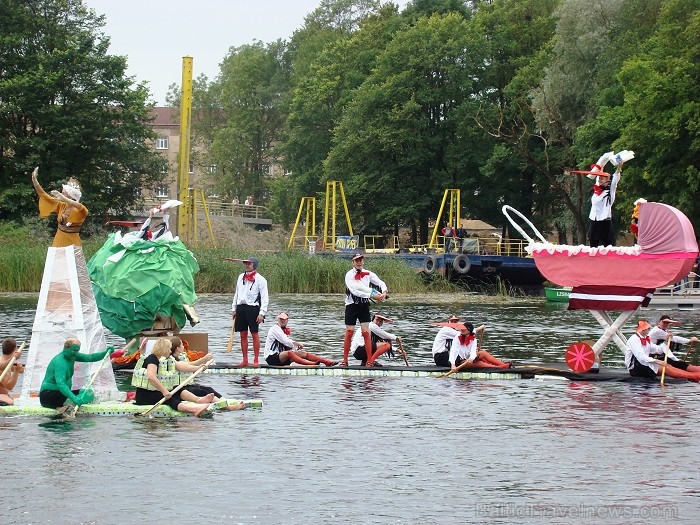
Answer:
x=519 y=371
x=363 y=371
x=115 y=408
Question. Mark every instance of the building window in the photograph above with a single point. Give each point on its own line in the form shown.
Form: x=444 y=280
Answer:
x=212 y=168
x=162 y=190
x=162 y=143
x=191 y=167
x=266 y=169
x=137 y=191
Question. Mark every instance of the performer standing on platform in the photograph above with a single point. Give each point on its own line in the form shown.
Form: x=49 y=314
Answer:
x=602 y=200
x=358 y=291
x=249 y=308
x=66 y=205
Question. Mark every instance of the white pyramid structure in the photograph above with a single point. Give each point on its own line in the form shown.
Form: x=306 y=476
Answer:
x=66 y=308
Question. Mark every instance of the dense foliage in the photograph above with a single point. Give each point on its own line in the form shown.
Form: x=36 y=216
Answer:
x=68 y=106
x=497 y=98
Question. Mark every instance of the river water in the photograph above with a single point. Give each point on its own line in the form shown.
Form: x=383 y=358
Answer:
x=374 y=450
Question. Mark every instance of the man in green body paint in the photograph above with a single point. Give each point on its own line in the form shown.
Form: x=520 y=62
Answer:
x=56 y=387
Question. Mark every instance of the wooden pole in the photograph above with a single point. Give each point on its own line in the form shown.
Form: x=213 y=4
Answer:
x=663 y=372
x=688 y=352
x=403 y=352
x=11 y=363
x=229 y=346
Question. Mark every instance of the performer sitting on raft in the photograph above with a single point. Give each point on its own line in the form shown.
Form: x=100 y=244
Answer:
x=443 y=343
x=464 y=349
x=639 y=360
x=177 y=349
x=57 y=385
x=282 y=350
x=381 y=340
x=158 y=373
x=66 y=205
x=9 y=351
x=658 y=335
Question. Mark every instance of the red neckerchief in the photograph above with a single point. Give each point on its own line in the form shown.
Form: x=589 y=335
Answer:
x=249 y=277
x=645 y=340
x=466 y=339
x=597 y=189
x=286 y=330
x=359 y=274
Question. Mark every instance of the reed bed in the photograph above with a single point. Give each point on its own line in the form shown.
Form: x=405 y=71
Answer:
x=22 y=256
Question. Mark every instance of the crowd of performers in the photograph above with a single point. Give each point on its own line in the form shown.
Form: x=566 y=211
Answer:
x=649 y=351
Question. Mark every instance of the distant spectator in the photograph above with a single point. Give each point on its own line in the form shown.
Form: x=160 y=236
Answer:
x=249 y=200
x=448 y=232
x=235 y=201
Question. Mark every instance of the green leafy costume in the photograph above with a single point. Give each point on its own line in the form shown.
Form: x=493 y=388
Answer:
x=134 y=280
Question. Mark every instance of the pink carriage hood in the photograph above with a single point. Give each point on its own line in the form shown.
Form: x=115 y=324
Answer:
x=664 y=229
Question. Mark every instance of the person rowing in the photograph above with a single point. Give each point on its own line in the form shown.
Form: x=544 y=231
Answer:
x=380 y=338
x=282 y=350
x=465 y=352
x=644 y=358
x=9 y=378
x=658 y=335
x=443 y=343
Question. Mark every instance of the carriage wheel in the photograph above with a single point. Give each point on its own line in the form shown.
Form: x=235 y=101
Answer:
x=580 y=357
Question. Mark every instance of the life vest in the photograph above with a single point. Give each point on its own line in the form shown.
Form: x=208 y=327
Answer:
x=167 y=374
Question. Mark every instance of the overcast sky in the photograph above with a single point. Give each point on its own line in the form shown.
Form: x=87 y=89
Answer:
x=156 y=34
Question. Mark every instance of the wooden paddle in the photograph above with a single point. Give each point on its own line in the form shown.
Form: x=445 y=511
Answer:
x=11 y=363
x=175 y=390
x=403 y=352
x=689 y=350
x=229 y=346
x=663 y=372
x=463 y=365
x=99 y=369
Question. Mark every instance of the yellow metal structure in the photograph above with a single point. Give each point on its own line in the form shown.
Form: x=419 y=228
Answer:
x=187 y=214
x=451 y=198
x=307 y=208
x=334 y=188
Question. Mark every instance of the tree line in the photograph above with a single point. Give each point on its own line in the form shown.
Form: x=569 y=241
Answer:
x=498 y=98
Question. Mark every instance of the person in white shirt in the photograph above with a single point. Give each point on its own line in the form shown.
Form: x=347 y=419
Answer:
x=658 y=335
x=639 y=360
x=465 y=352
x=358 y=292
x=602 y=200
x=443 y=343
x=381 y=340
x=282 y=350
x=249 y=308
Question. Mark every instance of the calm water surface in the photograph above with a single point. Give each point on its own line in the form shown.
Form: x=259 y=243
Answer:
x=384 y=450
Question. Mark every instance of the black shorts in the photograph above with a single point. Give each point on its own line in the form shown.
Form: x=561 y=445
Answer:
x=601 y=233
x=201 y=390
x=640 y=370
x=357 y=312
x=151 y=397
x=675 y=363
x=53 y=398
x=360 y=352
x=247 y=318
x=274 y=360
x=442 y=359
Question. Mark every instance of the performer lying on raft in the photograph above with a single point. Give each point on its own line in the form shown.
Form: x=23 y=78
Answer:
x=177 y=349
x=464 y=350
x=57 y=385
x=158 y=373
x=282 y=350
x=640 y=363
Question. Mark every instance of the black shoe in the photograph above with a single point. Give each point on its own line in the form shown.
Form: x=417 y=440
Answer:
x=594 y=370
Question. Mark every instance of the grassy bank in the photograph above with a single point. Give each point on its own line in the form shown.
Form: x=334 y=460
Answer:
x=22 y=258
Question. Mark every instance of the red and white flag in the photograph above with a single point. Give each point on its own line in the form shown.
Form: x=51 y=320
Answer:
x=618 y=298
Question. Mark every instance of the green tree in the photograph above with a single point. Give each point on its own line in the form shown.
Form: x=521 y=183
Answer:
x=390 y=145
x=67 y=106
